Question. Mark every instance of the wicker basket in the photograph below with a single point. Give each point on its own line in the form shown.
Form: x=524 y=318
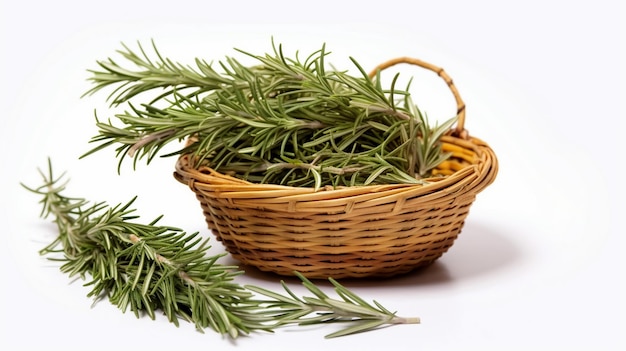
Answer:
x=362 y=231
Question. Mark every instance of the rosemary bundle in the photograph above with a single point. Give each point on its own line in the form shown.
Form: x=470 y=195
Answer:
x=150 y=267
x=282 y=121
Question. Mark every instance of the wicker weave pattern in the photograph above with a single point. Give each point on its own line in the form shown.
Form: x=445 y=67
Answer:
x=353 y=232
x=363 y=231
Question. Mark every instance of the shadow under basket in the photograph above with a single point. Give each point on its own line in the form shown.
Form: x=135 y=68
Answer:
x=351 y=232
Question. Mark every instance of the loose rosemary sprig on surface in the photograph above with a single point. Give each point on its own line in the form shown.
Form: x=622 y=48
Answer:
x=150 y=267
x=281 y=121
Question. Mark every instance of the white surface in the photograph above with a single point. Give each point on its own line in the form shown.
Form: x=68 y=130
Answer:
x=539 y=265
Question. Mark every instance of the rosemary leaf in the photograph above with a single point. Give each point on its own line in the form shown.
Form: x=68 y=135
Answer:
x=147 y=268
x=245 y=118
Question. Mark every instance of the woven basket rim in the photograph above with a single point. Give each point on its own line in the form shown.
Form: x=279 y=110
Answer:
x=471 y=179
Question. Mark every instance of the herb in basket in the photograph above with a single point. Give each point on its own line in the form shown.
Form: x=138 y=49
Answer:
x=298 y=166
x=151 y=267
x=281 y=121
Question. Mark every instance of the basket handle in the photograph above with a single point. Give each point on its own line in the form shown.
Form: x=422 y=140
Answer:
x=459 y=131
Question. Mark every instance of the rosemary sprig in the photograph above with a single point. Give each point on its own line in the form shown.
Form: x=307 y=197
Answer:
x=282 y=121
x=147 y=268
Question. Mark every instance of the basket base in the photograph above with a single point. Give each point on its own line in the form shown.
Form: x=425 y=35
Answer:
x=265 y=274
x=361 y=264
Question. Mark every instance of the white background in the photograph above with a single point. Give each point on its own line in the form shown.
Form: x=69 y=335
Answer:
x=539 y=265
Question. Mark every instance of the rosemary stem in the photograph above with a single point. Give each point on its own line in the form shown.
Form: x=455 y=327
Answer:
x=405 y=320
x=161 y=259
x=150 y=138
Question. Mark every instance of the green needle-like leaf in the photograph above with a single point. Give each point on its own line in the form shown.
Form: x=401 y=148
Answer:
x=147 y=268
x=357 y=328
x=248 y=119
